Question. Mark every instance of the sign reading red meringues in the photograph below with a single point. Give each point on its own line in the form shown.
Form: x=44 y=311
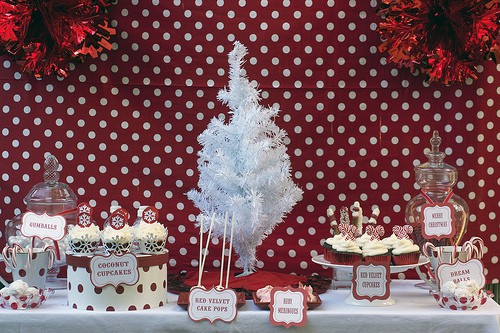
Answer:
x=212 y=304
x=114 y=270
x=288 y=307
x=43 y=226
x=371 y=281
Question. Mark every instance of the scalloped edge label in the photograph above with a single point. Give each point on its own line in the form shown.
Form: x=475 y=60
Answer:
x=371 y=281
x=43 y=226
x=212 y=305
x=288 y=307
x=114 y=270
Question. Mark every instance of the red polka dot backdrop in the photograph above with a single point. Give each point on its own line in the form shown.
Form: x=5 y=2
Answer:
x=124 y=126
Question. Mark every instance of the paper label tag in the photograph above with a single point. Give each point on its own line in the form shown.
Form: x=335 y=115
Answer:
x=212 y=305
x=288 y=307
x=43 y=226
x=462 y=271
x=114 y=270
x=371 y=281
x=438 y=221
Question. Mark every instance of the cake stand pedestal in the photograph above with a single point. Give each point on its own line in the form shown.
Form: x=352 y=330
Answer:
x=319 y=259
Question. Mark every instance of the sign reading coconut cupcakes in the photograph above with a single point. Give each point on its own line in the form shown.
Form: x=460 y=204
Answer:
x=114 y=270
x=371 y=281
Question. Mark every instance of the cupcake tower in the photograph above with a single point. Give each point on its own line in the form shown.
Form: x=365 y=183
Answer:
x=350 y=244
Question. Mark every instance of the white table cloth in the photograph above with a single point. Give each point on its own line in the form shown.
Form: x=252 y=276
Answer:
x=415 y=311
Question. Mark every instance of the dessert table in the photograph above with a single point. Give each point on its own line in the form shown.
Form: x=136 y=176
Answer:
x=415 y=311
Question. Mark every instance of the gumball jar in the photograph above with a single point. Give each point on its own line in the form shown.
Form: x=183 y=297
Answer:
x=52 y=198
x=437 y=214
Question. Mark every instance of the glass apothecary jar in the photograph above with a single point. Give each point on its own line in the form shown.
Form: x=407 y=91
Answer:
x=437 y=214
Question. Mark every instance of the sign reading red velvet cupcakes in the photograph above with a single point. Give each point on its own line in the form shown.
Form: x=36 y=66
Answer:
x=371 y=281
x=288 y=307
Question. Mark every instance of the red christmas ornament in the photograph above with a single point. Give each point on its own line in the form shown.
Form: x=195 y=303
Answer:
x=45 y=36
x=444 y=39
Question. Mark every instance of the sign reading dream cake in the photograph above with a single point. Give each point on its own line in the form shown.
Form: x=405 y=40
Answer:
x=114 y=270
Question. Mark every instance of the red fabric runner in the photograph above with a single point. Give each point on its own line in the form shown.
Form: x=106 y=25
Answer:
x=251 y=282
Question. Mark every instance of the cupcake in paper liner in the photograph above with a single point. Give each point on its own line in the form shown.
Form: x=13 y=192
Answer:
x=346 y=252
x=376 y=251
x=405 y=252
x=118 y=236
x=83 y=240
x=117 y=241
x=84 y=237
x=151 y=238
x=150 y=234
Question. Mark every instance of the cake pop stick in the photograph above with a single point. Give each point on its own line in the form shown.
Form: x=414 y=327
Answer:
x=206 y=248
x=200 y=268
x=357 y=216
x=226 y=218
x=230 y=251
x=374 y=216
x=334 y=227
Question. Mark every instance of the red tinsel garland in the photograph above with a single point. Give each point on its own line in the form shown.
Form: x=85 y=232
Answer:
x=444 y=39
x=45 y=36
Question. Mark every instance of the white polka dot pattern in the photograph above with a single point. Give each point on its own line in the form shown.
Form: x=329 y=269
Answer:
x=124 y=126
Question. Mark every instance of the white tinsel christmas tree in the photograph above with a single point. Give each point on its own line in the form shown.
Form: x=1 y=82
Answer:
x=244 y=168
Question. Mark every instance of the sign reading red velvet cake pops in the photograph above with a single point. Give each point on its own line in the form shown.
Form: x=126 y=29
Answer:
x=114 y=270
x=371 y=281
x=212 y=304
x=288 y=307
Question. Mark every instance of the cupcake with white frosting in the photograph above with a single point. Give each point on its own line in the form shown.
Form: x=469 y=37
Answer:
x=150 y=234
x=404 y=252
x=85 y=236
x=374 y=250
x=118 y=236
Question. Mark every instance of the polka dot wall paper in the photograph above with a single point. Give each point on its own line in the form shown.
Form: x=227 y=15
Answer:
x=124 y=126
